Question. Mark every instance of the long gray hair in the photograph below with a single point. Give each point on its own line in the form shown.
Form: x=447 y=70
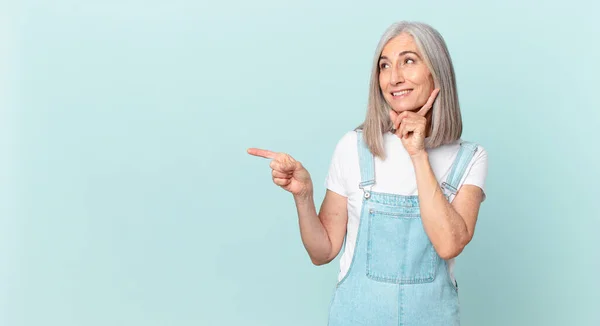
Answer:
x=446 y=121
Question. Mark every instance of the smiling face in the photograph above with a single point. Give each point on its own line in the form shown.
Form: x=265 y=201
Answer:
x=404 y=78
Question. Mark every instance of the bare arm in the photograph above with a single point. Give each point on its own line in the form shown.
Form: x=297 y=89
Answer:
x=450 y=227
x=322 y=234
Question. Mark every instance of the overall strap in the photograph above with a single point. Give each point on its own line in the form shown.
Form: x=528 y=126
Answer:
x=367 y=165
x=463 y=158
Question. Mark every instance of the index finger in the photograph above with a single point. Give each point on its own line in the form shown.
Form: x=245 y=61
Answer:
x=261 y=153
x=423 y=111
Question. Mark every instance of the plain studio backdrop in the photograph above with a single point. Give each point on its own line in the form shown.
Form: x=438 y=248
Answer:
x=127 y=196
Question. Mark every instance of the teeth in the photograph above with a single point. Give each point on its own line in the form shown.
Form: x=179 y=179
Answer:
x=400 y=93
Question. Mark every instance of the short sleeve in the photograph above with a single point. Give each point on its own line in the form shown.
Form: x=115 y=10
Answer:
x=477 y=172
x=337 y=175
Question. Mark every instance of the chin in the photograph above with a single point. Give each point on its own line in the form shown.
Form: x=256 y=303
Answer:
x=399 y=109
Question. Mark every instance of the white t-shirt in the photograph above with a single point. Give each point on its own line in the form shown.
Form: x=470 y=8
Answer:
x=394 y=175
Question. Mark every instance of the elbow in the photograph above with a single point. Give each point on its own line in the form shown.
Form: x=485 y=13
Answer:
x=322 y=257
x=450 y=252
x=453 y=248
x=320 y=262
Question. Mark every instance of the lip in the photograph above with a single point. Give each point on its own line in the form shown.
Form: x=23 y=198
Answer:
x=401 y=90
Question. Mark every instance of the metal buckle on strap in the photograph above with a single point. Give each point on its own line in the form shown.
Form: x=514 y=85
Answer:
x=446 y=187
x=367 y=192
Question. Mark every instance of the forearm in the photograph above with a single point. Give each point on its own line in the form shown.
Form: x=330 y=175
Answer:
x=445 y=227
x=313 y=233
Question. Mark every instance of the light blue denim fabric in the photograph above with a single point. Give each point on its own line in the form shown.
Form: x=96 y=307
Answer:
x=396 y=277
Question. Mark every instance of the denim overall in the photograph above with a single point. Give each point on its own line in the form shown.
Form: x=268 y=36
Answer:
x=396 y=277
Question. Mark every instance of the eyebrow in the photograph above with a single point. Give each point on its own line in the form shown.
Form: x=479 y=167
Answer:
x=401 y=54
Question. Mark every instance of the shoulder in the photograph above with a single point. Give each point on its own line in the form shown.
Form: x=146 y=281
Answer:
x=480 y=152
x=476 y=151
x=347 y=142
x=477 y=168
x=345 y=154
x=450 y=150
x=344 y=163
x=469 y=155
x=350 y=137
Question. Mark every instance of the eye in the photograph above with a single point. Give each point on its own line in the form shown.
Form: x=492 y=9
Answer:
x=383 y=65
x=409 y=60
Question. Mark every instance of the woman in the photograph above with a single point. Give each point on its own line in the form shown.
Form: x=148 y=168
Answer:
x=403 y=190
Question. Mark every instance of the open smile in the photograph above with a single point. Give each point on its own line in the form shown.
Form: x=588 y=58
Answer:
x=401 y=94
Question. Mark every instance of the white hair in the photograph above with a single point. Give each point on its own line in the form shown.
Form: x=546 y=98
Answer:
x=446 y=121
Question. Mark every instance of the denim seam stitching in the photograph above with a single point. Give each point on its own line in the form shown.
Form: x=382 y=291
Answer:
x=428 y=277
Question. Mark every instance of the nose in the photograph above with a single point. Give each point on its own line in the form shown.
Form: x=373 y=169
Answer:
x=397 y=76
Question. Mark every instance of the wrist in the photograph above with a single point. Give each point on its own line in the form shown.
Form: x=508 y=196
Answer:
x=304 y=197
x=420 y=157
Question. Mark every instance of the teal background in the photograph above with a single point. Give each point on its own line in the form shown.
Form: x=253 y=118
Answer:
x=127 y=197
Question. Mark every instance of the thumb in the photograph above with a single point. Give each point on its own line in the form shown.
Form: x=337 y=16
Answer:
x=289 y=164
